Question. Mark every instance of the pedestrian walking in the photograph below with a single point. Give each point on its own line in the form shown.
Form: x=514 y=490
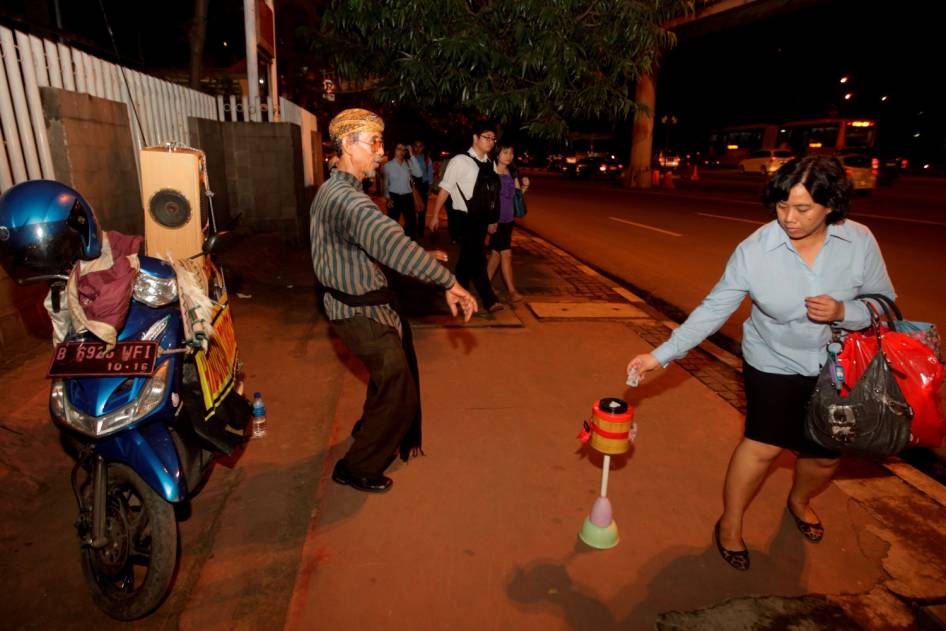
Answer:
x=500 y=243
x=350 y=239
x=802 y=272
x=399 y=172
x=421 y=163
x=472 y=185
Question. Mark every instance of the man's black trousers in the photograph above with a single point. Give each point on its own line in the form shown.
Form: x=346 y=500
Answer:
x=392 y=405
x=404 y=205
x=471 y=264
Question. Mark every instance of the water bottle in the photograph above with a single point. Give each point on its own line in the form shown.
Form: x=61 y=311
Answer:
x=259 y=416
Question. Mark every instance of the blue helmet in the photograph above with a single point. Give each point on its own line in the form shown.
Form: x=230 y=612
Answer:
x=45 y=227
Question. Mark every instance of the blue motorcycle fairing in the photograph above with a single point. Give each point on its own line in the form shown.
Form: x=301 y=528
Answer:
x=141 y=317
x=97 y=396
x=149 y=451
x=155 y=267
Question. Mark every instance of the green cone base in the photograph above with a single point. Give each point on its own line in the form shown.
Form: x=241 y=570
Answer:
x=598 y=537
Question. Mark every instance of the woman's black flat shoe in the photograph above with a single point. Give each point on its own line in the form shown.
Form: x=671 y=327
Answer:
x=814 y=532
x=737 y=559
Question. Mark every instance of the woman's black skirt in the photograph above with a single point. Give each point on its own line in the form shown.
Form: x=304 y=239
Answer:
x=775 y=411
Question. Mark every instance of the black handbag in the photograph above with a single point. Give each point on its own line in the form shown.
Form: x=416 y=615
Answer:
x=873 y=420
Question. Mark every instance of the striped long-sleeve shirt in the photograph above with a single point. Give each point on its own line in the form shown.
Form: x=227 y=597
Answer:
x=349 y=234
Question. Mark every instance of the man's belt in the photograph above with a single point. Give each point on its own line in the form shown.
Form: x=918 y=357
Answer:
x=375 y=297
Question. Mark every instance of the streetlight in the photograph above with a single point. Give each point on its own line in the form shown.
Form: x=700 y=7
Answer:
x=844 y=79
x=848 y=96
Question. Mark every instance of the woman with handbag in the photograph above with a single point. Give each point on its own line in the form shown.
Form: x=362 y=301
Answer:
x=500 y=242
x=802 y=272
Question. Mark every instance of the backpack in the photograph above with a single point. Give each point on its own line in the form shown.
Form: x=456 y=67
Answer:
x=484 y=201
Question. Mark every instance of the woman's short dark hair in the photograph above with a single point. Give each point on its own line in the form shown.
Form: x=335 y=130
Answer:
x=822 y=176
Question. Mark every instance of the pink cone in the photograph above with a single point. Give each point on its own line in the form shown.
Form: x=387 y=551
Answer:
x=601 y=512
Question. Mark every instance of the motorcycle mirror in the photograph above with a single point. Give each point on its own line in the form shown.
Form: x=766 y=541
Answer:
x=217 y=242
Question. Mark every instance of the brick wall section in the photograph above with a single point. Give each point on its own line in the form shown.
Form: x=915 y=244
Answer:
x=207 y=135
x=259 y=172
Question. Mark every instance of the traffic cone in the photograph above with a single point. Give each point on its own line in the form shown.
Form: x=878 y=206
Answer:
x=668 y=179
x=695 y=176
x=655 y=177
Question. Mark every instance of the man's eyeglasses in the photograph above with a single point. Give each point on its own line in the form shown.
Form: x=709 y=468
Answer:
x=375 y=143
x=489 y=138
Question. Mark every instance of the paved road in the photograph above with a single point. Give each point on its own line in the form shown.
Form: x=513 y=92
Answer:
x=675 y=243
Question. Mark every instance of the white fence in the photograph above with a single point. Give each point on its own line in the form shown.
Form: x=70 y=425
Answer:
x=163 y=108
x=292 y=113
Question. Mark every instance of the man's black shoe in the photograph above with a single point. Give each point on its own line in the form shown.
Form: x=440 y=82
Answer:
x=379 y=484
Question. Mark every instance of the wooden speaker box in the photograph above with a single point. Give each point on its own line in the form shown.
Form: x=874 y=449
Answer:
x=170 y=191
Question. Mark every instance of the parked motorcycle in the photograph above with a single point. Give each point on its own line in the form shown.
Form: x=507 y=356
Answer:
x=145 y=418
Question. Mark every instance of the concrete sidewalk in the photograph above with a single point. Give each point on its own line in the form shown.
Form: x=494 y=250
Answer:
x=481 y=532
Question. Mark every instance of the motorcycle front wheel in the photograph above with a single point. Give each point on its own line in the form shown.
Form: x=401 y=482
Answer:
x=130 y=575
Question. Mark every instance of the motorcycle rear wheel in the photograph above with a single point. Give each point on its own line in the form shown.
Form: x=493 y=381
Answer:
x=131 y=574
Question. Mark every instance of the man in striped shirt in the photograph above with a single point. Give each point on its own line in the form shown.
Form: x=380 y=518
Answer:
x=350 y=237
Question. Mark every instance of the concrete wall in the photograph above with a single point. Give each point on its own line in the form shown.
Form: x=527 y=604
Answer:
x=90 y=140
x=262 y=169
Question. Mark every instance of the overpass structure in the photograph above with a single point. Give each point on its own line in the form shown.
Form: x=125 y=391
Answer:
x=708 y=16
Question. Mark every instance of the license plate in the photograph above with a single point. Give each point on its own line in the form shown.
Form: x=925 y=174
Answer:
x=90 y=359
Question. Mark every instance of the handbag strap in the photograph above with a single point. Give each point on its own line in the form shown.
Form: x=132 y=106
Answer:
x=875 y=321
x=891 y=310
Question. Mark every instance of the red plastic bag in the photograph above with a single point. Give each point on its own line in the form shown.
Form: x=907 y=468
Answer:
x=917 y=370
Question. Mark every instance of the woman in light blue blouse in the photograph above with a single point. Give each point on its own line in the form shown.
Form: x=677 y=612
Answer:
x=802 y=272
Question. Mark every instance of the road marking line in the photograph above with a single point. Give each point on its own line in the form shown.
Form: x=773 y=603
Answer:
x=627 y=295
x=923 y=221
x=759 y=223
x=696 y=197
x=640 y=225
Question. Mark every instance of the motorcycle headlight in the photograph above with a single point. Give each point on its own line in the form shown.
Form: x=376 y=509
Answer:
x=153 y=291
x=57 y=401
x=98 y=426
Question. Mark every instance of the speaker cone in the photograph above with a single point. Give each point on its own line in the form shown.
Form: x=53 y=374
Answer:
x=169 y=208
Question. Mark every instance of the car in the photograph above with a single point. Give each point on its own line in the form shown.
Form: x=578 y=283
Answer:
x=764 y=161
x=890 y=166
x=668 y=160
x=598 y=167
x=861 y=170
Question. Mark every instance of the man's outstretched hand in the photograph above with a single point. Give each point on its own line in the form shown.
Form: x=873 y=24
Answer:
x=457 y=296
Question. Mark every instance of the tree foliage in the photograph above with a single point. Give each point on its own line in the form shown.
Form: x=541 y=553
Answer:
x=540 y=63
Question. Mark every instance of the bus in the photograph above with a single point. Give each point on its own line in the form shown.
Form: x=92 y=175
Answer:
x=828 y=135
x=729 y=145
